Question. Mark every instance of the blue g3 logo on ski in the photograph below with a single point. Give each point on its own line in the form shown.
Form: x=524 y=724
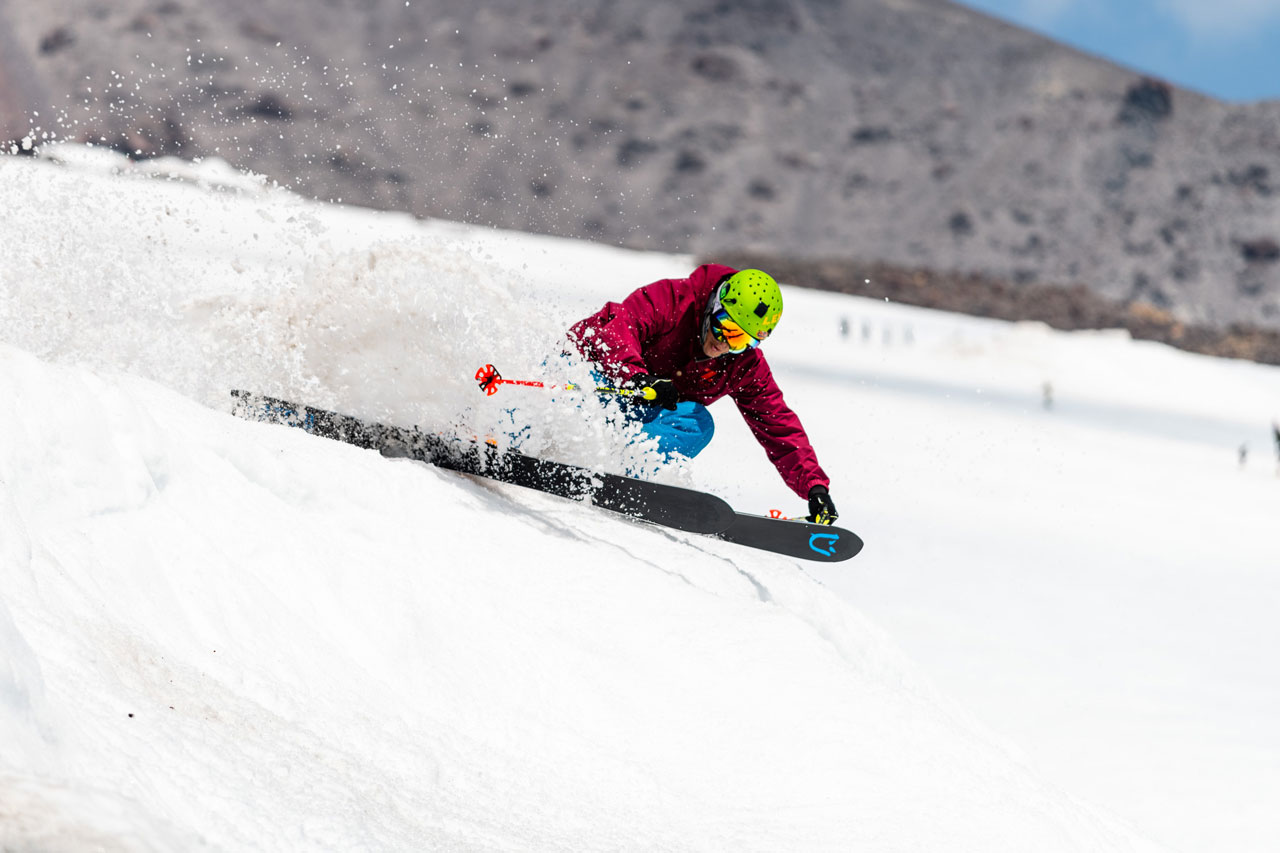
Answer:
x=824 y=543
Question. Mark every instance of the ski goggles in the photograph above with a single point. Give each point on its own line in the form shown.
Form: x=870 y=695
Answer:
x=730 y=333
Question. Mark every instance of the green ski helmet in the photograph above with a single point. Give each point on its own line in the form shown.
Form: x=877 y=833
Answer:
x=752 y=300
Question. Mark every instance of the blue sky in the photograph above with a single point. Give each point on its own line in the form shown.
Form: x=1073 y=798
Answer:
x=1229 y=49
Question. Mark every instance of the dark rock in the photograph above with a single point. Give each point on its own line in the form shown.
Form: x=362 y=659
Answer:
x=1255 y=177
x=961 y=224
x=715 y=67
x=870 y=135
x=1136 y=158
x=1147 y=100
x=1263 y=250
x=57 y=40
x=633 y=150
x=690 y=162
x=269 y=106
x=761 y=190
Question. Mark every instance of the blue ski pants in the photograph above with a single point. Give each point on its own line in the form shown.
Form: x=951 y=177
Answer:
x=686 y=430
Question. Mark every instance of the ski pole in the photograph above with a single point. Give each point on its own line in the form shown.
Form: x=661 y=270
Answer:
x=489 y=379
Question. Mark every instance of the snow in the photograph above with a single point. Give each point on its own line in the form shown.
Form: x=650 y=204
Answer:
x=219 y=635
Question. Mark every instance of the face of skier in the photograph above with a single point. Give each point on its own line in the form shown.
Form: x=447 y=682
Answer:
x=713 y=346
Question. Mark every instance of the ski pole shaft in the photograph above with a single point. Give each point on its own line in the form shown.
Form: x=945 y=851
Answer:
x=490 y=379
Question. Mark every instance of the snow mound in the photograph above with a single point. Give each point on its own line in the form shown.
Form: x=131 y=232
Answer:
x=263 y=640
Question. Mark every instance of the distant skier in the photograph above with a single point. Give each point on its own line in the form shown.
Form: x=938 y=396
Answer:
x=693 y=341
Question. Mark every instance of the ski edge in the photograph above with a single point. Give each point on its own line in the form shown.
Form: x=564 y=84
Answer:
x=703 y=513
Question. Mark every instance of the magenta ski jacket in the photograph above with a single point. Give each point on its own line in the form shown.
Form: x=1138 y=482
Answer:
x=658 y=330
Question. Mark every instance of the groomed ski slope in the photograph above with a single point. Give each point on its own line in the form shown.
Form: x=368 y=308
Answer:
x=324 y=649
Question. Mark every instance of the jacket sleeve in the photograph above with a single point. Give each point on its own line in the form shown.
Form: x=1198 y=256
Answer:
x=613 y=338
x=779 y=430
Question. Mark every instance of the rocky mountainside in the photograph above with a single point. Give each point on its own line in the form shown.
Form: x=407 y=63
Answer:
x=914 y=133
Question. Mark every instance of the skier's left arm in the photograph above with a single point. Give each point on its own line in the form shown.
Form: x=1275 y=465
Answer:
x=780 y=433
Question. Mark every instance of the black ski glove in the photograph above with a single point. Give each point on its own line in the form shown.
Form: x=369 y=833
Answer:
x=821 y=508
x=664 y=390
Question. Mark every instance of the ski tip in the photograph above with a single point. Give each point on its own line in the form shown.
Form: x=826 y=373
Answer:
x=831 y=544
x=794 y=538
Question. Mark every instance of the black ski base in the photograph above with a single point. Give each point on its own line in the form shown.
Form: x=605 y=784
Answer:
x=669 y=506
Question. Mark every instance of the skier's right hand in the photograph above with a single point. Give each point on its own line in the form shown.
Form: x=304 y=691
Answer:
x=664 y=390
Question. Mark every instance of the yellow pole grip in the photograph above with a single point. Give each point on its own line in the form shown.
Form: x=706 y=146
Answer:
x=646 y=393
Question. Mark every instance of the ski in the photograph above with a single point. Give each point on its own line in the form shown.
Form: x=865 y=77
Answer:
x=670 y=506
x=792 y=538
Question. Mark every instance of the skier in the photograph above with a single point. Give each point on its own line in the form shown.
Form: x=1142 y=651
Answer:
x=693 y=341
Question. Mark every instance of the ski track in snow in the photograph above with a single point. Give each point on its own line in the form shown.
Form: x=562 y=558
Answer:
x=224 y=635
